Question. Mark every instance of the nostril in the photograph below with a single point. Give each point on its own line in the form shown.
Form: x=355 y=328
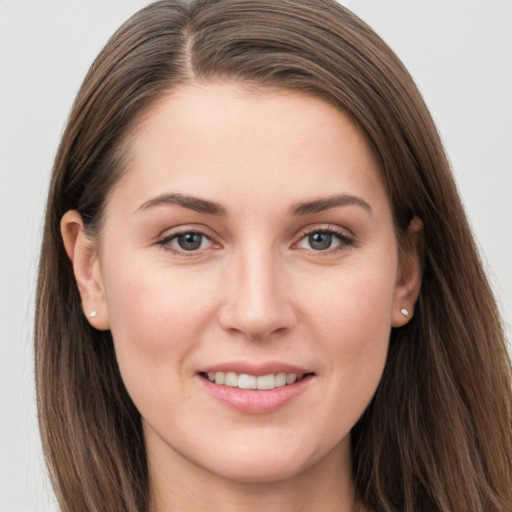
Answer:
x=271 y=333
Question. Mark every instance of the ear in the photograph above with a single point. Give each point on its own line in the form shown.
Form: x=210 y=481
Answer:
x=83 y=254
x=410 y=270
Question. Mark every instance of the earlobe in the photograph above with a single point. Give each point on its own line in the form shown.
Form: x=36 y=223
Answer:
x=83 y=254
x=409 y=275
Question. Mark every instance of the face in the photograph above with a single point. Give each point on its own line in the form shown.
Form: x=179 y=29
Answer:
x=250 y=244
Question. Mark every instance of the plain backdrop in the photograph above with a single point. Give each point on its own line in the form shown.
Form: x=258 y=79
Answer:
x=458 y=51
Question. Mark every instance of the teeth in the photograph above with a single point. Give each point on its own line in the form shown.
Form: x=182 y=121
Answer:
x=281 y=380
x=291 y=378
x=231 y=379
x=267 y=382
x=245 y=381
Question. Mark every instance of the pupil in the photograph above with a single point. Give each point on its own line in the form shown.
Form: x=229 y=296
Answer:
x=190 y=241
x=320 y=241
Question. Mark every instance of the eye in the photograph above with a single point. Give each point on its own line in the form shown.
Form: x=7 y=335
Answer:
x=323 y=240
x=190 y=241
x=187 y=241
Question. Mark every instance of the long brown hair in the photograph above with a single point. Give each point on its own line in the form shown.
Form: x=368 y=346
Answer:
x=438 y=432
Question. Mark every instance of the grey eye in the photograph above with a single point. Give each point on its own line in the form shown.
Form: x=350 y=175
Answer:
x=320 y=241
x=323 y=240
x=190 y=241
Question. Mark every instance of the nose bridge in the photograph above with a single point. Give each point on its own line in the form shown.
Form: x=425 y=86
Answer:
x=257 y=302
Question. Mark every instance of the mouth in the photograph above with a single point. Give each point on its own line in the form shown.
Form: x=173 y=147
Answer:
x=255 y=389
x=254 y=382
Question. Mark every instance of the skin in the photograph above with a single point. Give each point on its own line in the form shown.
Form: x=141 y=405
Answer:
x=255 y=291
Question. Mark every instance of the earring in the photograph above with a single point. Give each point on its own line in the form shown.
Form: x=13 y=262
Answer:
x=92 y=314
x=404 y=312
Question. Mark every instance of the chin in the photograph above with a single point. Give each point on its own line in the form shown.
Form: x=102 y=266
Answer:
x=268 y=461
x=263 y=470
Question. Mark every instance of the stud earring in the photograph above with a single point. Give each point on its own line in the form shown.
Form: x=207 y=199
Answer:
x=404 y=312
x=92 y=314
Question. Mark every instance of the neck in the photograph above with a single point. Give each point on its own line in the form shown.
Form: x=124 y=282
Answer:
x=176 y=483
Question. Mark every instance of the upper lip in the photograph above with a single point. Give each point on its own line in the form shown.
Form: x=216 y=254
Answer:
x=256 y=369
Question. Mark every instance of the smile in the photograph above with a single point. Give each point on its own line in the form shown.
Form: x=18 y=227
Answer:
x=255 y=389
x=247 y=381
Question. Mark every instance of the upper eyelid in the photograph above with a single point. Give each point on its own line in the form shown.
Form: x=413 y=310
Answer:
x=180 y=230
x=166 y=238
x=325 y=228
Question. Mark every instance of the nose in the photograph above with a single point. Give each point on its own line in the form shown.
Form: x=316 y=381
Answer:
x=257 y=300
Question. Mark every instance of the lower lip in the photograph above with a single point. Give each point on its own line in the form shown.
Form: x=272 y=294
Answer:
x=253 y=401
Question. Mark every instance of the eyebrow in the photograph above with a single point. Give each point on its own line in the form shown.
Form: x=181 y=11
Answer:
x=319 y=205
x=190 y=202
x=212 y=208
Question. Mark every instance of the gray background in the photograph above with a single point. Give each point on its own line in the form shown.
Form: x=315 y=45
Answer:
x=459 y=52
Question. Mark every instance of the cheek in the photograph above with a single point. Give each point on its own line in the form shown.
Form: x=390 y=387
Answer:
x=352 y=325
x=156 y=317
x=354 y=304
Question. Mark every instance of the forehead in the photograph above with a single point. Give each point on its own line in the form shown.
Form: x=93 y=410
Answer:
x=213 y=136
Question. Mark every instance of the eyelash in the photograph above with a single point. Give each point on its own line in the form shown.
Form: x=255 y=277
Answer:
x=165 y=242
x=344 y=241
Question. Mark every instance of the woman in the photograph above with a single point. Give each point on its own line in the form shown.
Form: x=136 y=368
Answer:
x=278 y=302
